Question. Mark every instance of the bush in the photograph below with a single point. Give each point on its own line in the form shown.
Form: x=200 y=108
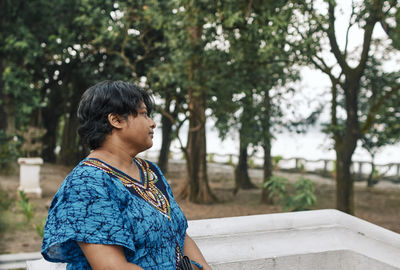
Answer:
x=25 y=206
x=275 y=162
x=5 y=200
x=277 y=187
x=5 y=203
x=297 y=197
x=304 y=196
x=9 y=152
x=39 y=228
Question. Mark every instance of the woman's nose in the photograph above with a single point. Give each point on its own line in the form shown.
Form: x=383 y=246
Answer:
x=153 y=124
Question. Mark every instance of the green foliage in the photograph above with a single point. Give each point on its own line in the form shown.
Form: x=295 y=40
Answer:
x=230 y=161
x=277 y=187
x=39 y=228
x=297 y=197
x=375 y=173
x=304 y=196
x=5 y=200
x=358 y=92
x=9 y=151
x=5 y=203
x=25 y=206
x=386 y=127
x=251 y=163
x=23 y=30
x=275 y=161
x=394 y=32
x=302 y=167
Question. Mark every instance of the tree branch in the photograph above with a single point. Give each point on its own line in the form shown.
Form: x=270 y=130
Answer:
x=375 y=107
x=168 y=115
x=332 y=39
x=348 y=28
x=178 y=127
x=373 y=18
x=384 y=24
x=248 y=10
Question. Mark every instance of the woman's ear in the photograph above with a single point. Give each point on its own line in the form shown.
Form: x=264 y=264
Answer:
x=115 y=120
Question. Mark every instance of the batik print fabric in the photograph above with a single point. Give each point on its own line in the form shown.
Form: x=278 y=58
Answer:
x=99 y=204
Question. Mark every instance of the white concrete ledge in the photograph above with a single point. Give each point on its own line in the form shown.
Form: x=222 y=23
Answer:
x=311 y=240
x=283 y=237
x=13 y=261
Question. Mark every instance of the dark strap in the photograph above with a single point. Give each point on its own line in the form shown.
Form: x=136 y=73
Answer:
x=186 y=264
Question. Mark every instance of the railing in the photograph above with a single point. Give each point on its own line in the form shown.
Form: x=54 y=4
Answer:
x=360 y=169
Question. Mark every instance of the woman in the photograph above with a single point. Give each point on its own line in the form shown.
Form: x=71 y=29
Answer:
x=115 y=210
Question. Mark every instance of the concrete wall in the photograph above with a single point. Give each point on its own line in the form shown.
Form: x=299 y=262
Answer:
x=312 y=240
x=321 y=239
x=329 y=260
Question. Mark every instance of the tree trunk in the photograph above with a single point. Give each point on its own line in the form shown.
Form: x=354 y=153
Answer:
x=166 y=142
x=72 y=151
x=68 y=153
x=3 y=115
x=197 y=189
x=265 y=199
x=50 y=122
x=266 y=125
x=242 y=178
x=344 y=183
x=345 y=149
x=370 y=180
x=9 y=110
x=51 y=115
x=7 y=107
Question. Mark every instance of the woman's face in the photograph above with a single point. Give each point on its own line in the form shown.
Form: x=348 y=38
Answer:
x=139 y=130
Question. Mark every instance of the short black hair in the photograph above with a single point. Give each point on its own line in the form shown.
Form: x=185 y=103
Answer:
x=107 y=97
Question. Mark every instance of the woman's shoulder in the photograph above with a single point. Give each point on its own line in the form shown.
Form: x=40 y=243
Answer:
x=88 y=173
x=86 y=169
x=87 y=181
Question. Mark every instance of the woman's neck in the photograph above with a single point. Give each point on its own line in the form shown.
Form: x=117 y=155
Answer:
x=115 y=156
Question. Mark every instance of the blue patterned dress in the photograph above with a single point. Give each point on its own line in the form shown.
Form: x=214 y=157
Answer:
x=99 y=204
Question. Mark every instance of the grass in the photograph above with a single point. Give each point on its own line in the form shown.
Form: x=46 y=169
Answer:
x=18 y=218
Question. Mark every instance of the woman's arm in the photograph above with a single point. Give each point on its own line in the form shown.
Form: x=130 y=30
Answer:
x=106 y=257
x=191 y=250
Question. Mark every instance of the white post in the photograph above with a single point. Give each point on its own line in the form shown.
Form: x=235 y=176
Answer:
x=29 y=179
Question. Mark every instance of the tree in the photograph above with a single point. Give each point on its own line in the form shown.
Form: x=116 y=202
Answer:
x=23 y=29
x=386 y=128
x=74 y=64
x=345 y=74
x=183 y=27
x=165 y=81
x=259 y=61
x=136 y=38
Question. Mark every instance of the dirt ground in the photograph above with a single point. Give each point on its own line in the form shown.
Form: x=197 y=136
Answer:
x=379 y=205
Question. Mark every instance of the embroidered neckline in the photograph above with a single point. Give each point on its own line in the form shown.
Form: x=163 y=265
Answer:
x=145 y=188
